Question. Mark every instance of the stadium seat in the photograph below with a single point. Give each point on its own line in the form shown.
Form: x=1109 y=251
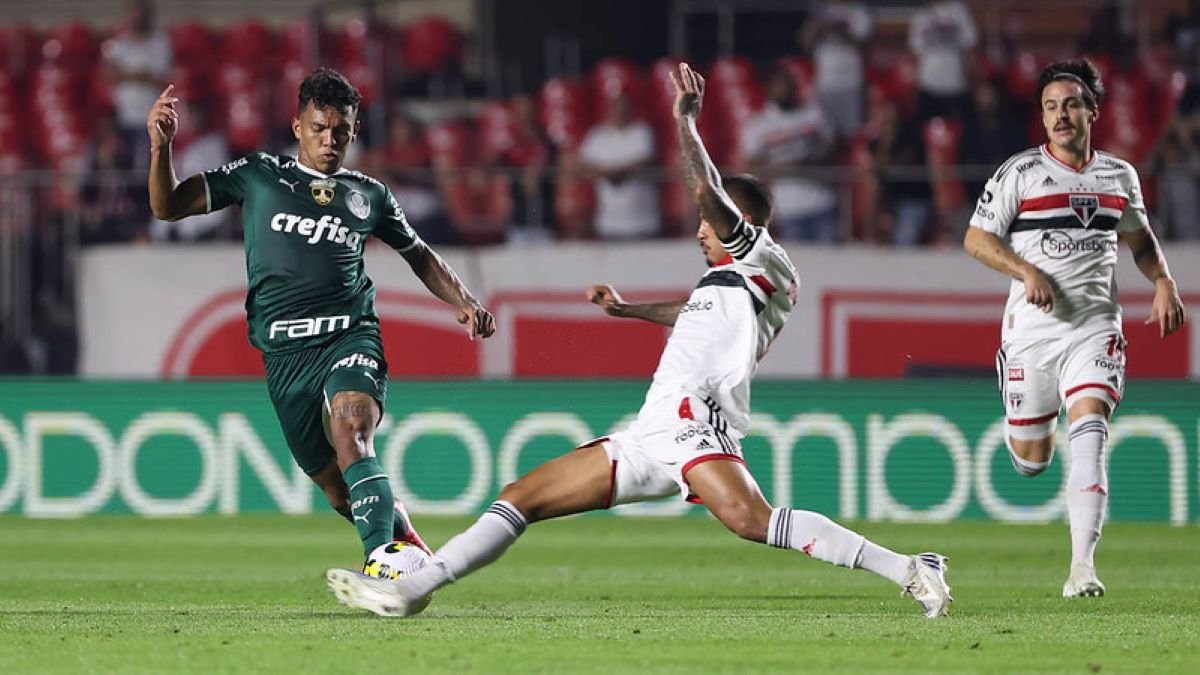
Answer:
x=802 y=72
x=192 y=44
x=562 y=108
x=347 y=44
x=480 y=207
x=1022 y=75
x=299 y=41
x=495 y=129
x=450 y=144
x=245 y=126
x=617 y=77
x=72 y=45
x=20 y=48
x=430 y=46
x=248 y=43
x=942 y=137
x=284 y=98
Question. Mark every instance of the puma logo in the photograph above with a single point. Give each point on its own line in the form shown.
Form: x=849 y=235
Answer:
x=372 y=379
x=291 y=186
x=363 y=517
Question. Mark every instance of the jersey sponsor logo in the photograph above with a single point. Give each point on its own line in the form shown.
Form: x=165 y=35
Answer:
x=329 y=228
x=1022 y=168
x=358 y=204
x=1057 y=245
x=692 y=431
x=370 y=499
x=234 y=165
x=292 y=329
x=696 y=306
x=1084 y=207
x=1108 y=365
x=986 y=197
x=357 y=360
x=322 y=190
x=1016 y=373
x=985 y=213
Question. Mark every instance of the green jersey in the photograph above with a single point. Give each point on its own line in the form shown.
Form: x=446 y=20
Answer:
x=305 y=233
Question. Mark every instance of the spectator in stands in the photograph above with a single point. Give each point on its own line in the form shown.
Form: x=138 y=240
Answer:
x=835 y=36
x=1105 y=35
x=941 y=35
x=405 y=162
x=898 y=152
x=992 y=134
x=112 y=207
x=789 y=137
x=528 y=152
x=139 y=61
x=615 y=152
x=1179 y=154
x=199 y=146
x=1183 y=32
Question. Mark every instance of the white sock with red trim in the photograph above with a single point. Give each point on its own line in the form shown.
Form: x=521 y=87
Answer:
x=1087 y=487
x=819 y=537
x=480 y=544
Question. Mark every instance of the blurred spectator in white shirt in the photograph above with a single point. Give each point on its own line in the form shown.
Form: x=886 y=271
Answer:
x=139 y=62
x=614 y=152
x=199 y=146
x=787 y=138
x=835 y=36
x=940 y=35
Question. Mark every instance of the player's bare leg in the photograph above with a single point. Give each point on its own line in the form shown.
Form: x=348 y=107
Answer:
x=1031 y=456
x=1087 y=493
x=733 y=496
x=573 y=483
x=352 y=418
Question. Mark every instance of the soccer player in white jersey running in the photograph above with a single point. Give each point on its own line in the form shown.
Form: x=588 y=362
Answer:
x=686 y=438
x=1051 y=218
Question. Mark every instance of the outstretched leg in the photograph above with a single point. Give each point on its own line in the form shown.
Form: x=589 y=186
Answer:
x=576 y=482
x=733 y=496
x=1087 y=494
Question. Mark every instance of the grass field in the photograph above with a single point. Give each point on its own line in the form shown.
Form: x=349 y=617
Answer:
x=587 y=595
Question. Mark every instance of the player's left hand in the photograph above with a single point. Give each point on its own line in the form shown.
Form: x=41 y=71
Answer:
x=479 y=321
x=1167 y=308
x=689 y=92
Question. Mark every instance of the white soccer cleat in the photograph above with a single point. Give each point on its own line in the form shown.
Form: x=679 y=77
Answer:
x=926 y=583
x=1083 y=583
x=379 y=596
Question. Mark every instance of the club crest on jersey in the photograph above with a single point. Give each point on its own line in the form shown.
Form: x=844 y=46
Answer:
x=358 y=204
x=1015 y=399
x=322 y=190
x=1085 y=207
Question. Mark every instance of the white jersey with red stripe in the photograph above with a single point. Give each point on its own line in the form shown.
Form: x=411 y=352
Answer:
x=727 y=325
x=1065 y=222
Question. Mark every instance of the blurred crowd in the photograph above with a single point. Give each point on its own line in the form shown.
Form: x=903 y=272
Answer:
x=859 y=145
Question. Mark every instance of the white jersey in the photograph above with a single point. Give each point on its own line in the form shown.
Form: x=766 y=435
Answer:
x=727 y=325
x=1065 y=222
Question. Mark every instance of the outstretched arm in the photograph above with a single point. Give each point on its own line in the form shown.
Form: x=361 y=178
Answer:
x=1167 y=308
x=703 y=179
x=991 y=250
x=437 y=276
x=170 y=199
x=614 y=305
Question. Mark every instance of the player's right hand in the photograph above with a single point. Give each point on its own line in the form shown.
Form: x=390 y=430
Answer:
x=163 y=121
x=608 y=299
x=689 y=92
x=1039 y=291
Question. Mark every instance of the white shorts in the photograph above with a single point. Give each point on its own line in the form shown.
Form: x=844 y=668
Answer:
x=1038 y=376
x=652 y=457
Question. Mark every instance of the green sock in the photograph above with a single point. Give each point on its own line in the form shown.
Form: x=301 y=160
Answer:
x=371 y=502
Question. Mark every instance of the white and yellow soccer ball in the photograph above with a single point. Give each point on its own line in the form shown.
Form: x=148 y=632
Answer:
x=394 y=560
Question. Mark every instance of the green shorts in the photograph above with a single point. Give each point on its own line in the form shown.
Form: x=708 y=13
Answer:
x=303 y=383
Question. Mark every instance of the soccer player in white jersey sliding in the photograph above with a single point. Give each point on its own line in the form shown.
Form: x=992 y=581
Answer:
x=686 y=438
x=1051 y=218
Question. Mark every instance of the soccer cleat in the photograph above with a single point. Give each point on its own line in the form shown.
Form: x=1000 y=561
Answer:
x=378 y=596
x=1083 y=583
x=926 y=583
x=404 y=530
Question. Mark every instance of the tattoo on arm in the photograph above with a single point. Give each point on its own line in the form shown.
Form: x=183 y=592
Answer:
x=352 y=410
x=658 y=312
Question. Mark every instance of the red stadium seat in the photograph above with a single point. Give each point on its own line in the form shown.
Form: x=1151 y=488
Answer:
x=250 y=44
x=284 y=99
x=495 y=129
x=348 y=44
x=20 y=48
x=729 y=71
x=1022 y=75
x=563 y=110
x=245 y=126
x=618 y=77
x=299 y=41
x=802 y=73
x=71 y=44
x=430 y=45
x=942 y=137
x=450 y=144
x=192 y=44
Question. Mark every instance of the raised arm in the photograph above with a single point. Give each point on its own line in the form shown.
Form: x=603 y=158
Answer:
x=170 y=199
x=703 y=179
x=441 y=280
x=613 y=304
x=1166 y=309
x=992 y=251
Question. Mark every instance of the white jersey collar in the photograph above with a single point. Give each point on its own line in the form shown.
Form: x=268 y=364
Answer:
x=313 y=172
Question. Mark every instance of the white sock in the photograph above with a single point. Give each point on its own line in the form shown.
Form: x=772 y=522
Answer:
x=1087 y=487
x=821 y=538
x=480 y=544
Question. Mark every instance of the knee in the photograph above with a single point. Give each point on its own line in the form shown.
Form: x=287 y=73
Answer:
x=746 y=523
x=353 y=417
x=1030 y=457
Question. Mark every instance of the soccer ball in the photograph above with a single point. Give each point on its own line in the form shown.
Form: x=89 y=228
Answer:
x=394 y=560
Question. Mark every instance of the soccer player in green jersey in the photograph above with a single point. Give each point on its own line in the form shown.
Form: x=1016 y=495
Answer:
x=310 y=305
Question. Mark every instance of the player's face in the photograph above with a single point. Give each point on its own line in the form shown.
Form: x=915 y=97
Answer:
x=1067 y=118
x=324 y=134
x=709 y=243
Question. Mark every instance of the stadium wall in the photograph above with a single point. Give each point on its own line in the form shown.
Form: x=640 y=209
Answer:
x=177 y=313
x=916 y=450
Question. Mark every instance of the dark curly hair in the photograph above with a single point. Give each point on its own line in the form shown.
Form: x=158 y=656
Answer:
x=751 y=197
x=327 y=88
x=1080 y=71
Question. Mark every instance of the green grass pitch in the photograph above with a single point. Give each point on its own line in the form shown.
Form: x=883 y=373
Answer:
x=585 y=595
